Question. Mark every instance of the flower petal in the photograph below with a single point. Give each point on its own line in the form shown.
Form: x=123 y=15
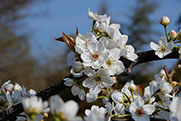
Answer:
x=148 y=109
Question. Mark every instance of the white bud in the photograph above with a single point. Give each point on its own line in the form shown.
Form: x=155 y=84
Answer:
x=172 y=34
x=165 y=21
x=132 y=87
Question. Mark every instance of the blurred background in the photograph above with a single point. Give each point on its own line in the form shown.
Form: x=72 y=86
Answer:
x=30 y=55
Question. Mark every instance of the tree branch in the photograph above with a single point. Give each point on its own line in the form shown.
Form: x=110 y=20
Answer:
x=143 y=57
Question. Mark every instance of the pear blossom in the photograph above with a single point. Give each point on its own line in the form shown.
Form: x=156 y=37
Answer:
x=34 y=105
x=77 y=66
x=14 y=94
x=163 y=88
x=95 y=56
x=76 y=88
x=7 y=86
x=147 y=94
x=161 y=75
x=127 y=51
x=99 y=78
x=92 y=95
x=164 y=48
x=64 y=110
x=141 y=111
x=82 y=41
x=95 y=114
x=96 y=17
x=125 y=93
x=175 y=109
x=120 y=99
x=112 y=62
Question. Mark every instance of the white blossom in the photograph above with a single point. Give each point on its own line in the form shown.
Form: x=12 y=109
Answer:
x=112 y=62
x=126 y=50
x=34 y=105
x=164 y=48
x=120 y=99
x=163 y=88
x=95 y=114
x=64 y=110
x=76 y=88
x=77 y=66
x=92 y=95
x=141 y=111
x=99 y=78
x=82 y=41
x=95 y=56
x=175 y=109
x=96 y=17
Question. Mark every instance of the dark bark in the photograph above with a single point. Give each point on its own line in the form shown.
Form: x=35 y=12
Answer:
x=143 y=57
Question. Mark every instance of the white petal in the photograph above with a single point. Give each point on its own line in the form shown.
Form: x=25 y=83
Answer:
x=117 y=97
x=89 y=72
x=92 y=47
x=101 y=46
x=119 y=67
x=75 y=90
x=119 y=108
x=70 y=109
x=141 y=118
x=170 y=45
x=124 y=39
x=56 y=104
x=115 y=53
x=68 y=82
x=154 y=46
x=163 y=41
x=137 y=103
x=148 y=109
x=86 y=57
x=88 y=82
x=166 y=87
x=159 y=54
x=81 y=94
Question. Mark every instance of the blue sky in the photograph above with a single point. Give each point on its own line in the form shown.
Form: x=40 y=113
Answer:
x=48 y=19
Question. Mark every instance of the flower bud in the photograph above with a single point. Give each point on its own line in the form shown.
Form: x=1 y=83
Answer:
x=132 y=87
x=165 y=21
x=172 y=34
x=140 y=89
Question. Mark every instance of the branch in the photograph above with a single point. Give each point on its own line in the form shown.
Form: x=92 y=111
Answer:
x=143 y=57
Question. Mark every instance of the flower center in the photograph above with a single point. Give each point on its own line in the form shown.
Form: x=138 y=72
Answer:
x=163 y=48
x=139 y=111
x=95 y=56
x=61 y=116
x=108 y=62
x=97 y=78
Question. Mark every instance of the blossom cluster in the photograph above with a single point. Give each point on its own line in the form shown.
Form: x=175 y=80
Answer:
x=96 y=56
x=166 y=44
x=95 y=62
x=11 y=95
x=157 y=100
